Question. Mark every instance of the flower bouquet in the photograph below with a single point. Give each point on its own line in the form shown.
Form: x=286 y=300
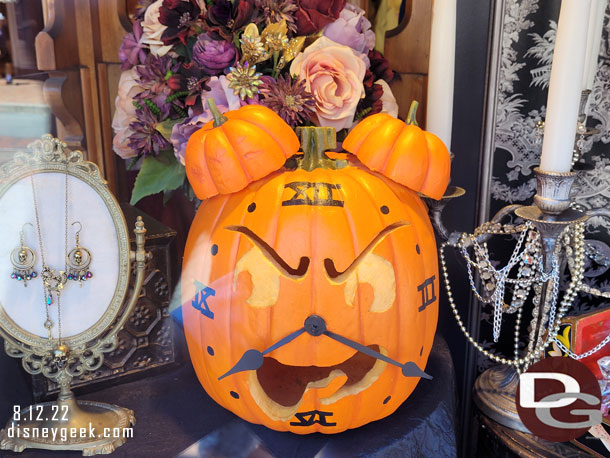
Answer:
x=311 y=61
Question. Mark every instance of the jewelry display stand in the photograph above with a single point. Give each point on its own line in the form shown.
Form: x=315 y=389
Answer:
x=92 y=312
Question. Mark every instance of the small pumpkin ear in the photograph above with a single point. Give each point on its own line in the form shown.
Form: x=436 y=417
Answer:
x=237 y=148
x=402 y=152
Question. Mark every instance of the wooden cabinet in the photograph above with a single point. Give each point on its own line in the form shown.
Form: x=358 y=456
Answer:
x=79 y=49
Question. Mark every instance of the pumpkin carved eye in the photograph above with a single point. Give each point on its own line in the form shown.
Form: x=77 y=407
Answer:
x=264 y=265
x=379 y=273
x=369 y=268
x=265 y=278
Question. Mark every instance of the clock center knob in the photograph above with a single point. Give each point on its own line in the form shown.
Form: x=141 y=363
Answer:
x=315 y=325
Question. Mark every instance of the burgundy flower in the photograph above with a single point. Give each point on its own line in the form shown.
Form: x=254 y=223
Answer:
x=226 y=17
x=380 y=67
x=371 y=103
x=132 y=51
x=312 y=15
x=177 y=16
x=146 y=139
x=277 y=11
x=289 y=99
x=213 y=56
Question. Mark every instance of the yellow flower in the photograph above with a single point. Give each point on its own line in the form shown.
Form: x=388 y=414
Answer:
x=252 y=47
x=275 y=36
x=291 y=50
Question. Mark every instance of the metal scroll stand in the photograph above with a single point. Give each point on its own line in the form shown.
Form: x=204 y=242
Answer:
x=62 y=361
x=66 y=412
x=494 y=391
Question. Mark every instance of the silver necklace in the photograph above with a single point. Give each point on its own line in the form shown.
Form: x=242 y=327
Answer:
x=53 y=280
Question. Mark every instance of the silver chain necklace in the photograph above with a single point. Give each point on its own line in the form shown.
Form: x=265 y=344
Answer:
x=53 y=280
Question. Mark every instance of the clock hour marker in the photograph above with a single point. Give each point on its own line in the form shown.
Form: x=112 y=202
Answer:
x=312 y=417
x=428 y=296
x=386 y=400
x=234 y=394
x=210 y=351
x=214 y=250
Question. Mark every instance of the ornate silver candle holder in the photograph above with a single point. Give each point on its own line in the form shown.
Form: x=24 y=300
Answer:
x=538 y=257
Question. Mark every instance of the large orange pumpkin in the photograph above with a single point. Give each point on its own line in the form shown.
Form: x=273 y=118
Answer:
x=292 y=254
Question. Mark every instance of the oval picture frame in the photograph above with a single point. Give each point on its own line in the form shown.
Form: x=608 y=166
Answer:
x=50 y=155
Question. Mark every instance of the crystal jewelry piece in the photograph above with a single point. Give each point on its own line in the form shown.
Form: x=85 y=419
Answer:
x=23 y=259
x=53 y=280
x=575 y=253
x=78 y=260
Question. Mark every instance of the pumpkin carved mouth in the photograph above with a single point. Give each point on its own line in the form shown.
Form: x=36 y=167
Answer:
x=279 y=389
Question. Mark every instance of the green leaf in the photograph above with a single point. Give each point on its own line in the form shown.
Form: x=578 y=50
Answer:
x=158 y=174
x=165 y=127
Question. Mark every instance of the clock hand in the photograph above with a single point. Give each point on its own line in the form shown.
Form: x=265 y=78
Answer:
x=253 y=359
x=316 y=326
x=409 y=369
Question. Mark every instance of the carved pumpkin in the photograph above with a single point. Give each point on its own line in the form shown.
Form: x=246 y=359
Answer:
x=236 y=148
x=403 y=152
x=280 y=277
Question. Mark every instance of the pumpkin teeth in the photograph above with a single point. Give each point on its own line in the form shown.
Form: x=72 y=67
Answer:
x=279 y=389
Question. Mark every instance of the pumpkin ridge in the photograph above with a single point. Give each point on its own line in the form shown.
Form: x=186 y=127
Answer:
x=223 y=185
x=241 y=383
x=388 y=156
x=202 y=333
x=436 y=162
x=240 y=159
x=356 y=407
x=294 y=147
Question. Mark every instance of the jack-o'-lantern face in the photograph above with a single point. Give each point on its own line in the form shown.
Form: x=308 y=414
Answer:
x=294 y=270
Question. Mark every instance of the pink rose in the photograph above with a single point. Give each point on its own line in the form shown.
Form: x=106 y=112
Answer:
x=152 y=30
x=120 y=144
x=125 y=112
x=333 y=73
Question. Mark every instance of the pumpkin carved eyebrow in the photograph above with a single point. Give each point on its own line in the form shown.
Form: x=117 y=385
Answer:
x=272 y=255
x=340 y=277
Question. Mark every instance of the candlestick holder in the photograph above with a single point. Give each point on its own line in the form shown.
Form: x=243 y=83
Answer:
x=543 y=236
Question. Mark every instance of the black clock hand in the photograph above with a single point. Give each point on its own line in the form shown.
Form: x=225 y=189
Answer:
x=253 y=359
x=316 y=326
x=409 y=369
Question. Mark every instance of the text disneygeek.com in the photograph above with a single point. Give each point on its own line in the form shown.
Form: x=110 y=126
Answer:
x=63 y=433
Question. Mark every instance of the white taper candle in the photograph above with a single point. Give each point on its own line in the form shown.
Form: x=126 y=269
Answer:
x=565 y=86
x=441 y=70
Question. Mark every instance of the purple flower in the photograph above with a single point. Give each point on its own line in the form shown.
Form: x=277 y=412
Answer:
x=132 y=51
x=225 y=100
x=213 y=56
x=145 y=138
x=182 y=131
x=352 y=29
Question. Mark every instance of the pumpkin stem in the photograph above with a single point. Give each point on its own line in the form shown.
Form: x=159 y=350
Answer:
x=411 y=117
x=219 y=118
x=314 y=142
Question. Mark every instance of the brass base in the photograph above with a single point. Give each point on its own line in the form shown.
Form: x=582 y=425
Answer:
x=494 y=394
x=57 y=420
